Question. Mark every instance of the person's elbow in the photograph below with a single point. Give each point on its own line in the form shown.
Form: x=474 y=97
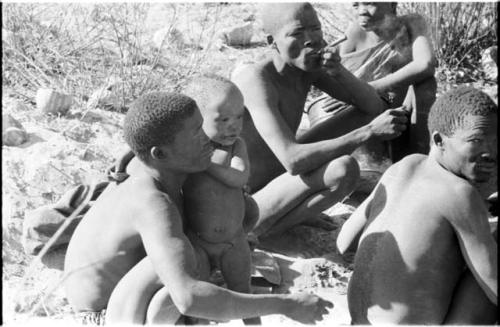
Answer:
x=185 y=302
x=295 y=165
x=426 y=68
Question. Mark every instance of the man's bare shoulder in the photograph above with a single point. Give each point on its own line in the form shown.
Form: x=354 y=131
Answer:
x=259 y=72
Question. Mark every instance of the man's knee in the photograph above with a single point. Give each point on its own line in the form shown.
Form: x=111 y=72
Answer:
x=162 y=309
x=341 y=174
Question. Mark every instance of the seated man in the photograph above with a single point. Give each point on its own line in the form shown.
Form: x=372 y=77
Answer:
x=295 y=179
x=425 y=223
x=129 y=254
x=394 y=55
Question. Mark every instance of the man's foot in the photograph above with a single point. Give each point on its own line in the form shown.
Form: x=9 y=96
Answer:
x=253 y=241
x=322 y=221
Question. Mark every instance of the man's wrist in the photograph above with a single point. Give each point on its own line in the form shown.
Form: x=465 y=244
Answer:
x=286 y=304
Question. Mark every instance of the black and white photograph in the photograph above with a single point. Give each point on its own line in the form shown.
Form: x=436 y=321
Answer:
x=249 y=163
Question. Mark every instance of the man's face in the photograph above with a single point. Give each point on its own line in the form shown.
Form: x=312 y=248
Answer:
x=471 y=152
x=191 y=149
x=371 y=15
x=300 y=39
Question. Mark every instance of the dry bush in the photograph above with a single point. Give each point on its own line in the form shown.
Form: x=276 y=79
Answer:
x=79 y=48
x=460 y=31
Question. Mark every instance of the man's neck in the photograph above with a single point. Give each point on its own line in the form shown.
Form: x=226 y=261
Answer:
x=168 y=181
x=286 y=70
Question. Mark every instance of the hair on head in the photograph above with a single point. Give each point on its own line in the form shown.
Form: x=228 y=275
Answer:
x=154 y=119
x=204 y=88
x=450 y=109
x=272 y=14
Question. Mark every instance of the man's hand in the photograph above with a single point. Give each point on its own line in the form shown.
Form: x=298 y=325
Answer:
x=330 y=60
x=390 y=124
x=307 y=308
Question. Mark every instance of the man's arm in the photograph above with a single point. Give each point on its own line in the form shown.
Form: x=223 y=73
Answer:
x=341 y=84
x=236 y=175
x=423 y=60
x=353 y=226
x=262 y=99
x=478 y=247
x=174 y=260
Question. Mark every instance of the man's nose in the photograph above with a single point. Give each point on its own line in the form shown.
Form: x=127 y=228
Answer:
x=312 y=39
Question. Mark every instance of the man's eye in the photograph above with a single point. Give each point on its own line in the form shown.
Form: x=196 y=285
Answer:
x=355 y=4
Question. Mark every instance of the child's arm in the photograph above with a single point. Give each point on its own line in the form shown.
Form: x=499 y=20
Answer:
x=470 y=222
x=237 y=174
x=423 y=60
x=353 y=227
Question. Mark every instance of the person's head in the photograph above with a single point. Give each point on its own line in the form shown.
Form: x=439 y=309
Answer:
x=165 y=130
x=221 y=105
x=294 y=30
x=373 y=15
x=463 y=130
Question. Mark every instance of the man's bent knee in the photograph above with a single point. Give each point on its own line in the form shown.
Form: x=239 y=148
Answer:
x=342 y=174
x=161 y=309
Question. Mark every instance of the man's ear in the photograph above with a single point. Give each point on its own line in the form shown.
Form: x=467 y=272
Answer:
x=157 y=153
x=269 y=39
x=437 y=139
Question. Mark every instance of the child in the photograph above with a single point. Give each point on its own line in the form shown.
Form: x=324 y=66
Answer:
x=214 y=199
x=425 y=222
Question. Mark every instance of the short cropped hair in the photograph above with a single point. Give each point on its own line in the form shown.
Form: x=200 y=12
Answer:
x=204 y=88
x=272 y=15
x=448 y=113
x=154 y=119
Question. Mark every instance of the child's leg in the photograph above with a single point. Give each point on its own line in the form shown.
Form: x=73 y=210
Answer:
x=235 y=265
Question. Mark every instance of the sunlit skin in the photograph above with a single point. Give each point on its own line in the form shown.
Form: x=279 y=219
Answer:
x=421 y=226
x=106 y=262
x=471 y=151
x=295 y=178
x=215 y=204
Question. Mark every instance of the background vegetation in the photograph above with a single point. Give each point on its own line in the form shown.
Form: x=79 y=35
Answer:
x=132 y=48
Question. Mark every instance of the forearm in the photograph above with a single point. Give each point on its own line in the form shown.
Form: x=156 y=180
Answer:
x=227 y=175
x=362 y=94
x=310 y=156
x=410 y=74
x=216 y=303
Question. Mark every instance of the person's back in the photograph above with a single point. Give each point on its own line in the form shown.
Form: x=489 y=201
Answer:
x=106 y=244
x=425 y=223
x=408 y=253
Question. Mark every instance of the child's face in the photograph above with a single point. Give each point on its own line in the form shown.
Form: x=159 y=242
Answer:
x=300 y=39
x=224 y=118
x=471 y=152
x=371 y=15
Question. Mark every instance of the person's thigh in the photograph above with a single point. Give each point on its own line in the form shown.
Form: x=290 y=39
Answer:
x=335 y=124
x=130 y=298
x=470 y=305
x=287 y=192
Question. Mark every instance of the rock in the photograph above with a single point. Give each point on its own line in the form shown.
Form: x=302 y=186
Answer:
x=103 y=98
x=488 y=62
x=13 y=133
x=240 y=35
x=52 y=102
x=167 y=36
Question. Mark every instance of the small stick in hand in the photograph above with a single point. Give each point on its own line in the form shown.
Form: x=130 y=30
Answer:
x=337 y=42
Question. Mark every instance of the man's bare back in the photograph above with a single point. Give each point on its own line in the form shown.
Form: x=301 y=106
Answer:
x=106 y=244
x=409 y=261
x=426 y=254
